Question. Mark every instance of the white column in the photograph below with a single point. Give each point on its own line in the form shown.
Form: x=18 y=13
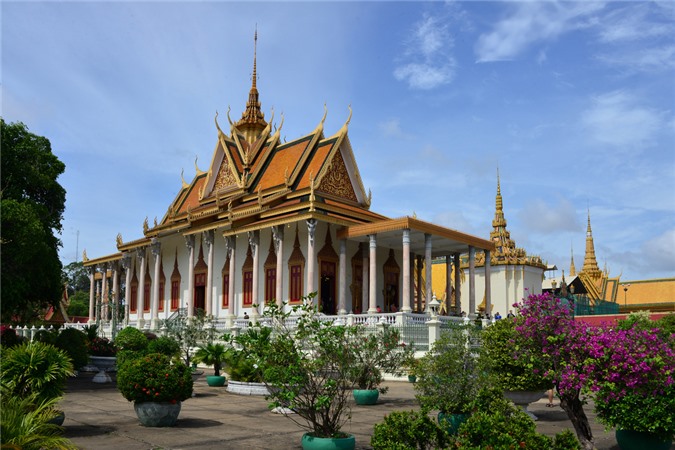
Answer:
x=472 y=282
x=311 y=257
x=458 y=287
x=140 y=254
x=156 y=250
x=419 y=284
x=278 y=236
x=254 y=242
x=104 y=294
x=208 y=238
x=406 y=272
x=427 y=270
x=115 y=292
x=488 y=288
x=92 y=295
x=190 y=243
x=372 y=281
x=127 y=265
x=98 y=302
x=230 y=247
x=342 y=294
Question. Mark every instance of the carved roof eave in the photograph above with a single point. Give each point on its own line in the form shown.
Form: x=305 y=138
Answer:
x=215 y=226
x=131 y=245
x=288 y=219
x=103 y=259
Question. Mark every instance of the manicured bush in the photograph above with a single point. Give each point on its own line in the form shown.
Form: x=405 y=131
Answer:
x=131 y=339
x=164 y=345
x=403 y=430
x=74 y=342
x=154 y=378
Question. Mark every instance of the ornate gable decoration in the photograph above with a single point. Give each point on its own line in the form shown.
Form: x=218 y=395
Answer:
x=336 y=181
x=224 y=177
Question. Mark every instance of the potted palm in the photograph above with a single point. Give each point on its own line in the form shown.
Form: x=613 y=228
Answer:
x=307 y=369
x=37 y=371
x=449 y=376
x=375 y=353
x=212 y=354
x=157 y=386
x=244 y=375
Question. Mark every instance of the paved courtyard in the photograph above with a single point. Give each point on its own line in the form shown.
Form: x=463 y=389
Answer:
x=99 y=418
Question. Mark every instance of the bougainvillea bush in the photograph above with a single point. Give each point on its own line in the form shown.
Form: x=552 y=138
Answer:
x=154 y=378
x=100 y=346
x=632 y=376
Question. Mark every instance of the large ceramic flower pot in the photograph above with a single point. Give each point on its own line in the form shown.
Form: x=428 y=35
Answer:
x=451 y=422
x=366 y=396
x=215 y=381
x=104 y=364
x=157 y=414
x=310 y=442
x=412 y=378
x=523 y=399
x=638 y=440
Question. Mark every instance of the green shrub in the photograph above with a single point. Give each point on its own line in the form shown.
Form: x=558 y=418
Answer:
x=46 y=336
x=100 y=346
x=35 y=368
x=154 y=378
x=131 y=339
x=74 y=342
x=566 y=440
x=239 y=367
x=8 y=337
x=403 y=430
x=164 y=345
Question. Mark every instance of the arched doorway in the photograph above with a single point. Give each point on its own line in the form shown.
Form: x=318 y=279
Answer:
x=328 y=267
x=199 y=294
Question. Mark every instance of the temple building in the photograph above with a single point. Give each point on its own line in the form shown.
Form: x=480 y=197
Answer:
x=513 y=274
x=601 y=289
x=273 y=222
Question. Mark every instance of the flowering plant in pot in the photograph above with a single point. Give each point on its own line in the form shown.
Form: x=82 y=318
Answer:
x=100 y=346
x=375 y=353
x=631 y=375
x=156 y=380
x=306 y=365
x=449 y=375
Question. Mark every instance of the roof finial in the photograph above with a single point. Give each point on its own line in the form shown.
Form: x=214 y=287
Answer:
x=255 y=51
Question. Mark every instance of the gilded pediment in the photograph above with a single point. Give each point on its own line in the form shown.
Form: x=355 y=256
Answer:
x=336 y=180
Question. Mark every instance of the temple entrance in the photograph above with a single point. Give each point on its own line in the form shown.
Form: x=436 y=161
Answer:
x=391 y=287
x=327 y=288
x=199 y=296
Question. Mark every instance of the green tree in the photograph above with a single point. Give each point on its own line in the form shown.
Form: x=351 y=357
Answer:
x=79 y=304
x=77 y=277
x=32 y=209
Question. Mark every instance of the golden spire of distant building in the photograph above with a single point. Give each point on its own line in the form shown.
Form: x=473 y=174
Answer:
x=252 y=121
x=573 y=270
x=590 y=267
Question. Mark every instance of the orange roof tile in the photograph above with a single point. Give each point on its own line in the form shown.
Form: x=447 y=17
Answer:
x=317 y=161
x=281 y=164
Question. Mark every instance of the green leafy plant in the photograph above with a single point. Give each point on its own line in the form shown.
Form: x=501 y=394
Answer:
x=74 y=342
x=100 y=346
x=131 y=344
x=164 y=345
x=404 y=430
x=25 y=423
x=496 y=423
x=375 y=353
x=8 y=337
x=448 y=376
x=35 y=368
x=240 y=365
x=190 y=332
x=511 y=369
x=154 y=378
x=212 y=355
x=306 y=367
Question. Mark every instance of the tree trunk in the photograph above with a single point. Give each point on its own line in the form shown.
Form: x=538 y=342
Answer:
x=575 y=412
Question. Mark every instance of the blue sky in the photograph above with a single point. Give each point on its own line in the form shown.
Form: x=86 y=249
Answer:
x=573 y=102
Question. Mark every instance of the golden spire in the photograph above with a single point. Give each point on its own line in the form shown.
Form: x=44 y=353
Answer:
x=590 y=267
x=505 y=246
x=252 y=121
x=573 y=270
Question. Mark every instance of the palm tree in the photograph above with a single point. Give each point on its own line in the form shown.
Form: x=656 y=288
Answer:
x=35 y=368
x=25 y=423
x=212 y=355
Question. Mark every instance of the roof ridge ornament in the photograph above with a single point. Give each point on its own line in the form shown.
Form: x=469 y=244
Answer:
x=199 y=172
x=182 y=178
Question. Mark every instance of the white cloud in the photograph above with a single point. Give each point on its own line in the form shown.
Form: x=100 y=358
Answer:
x=660 y=252
x=617 y=119
x=392 y=129
x=428 y=62
x=531 y=22
x=539 y=217
x=642 y=59
x=632 y=23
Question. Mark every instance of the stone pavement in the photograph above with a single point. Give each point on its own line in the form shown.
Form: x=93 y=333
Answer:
x=99 y=418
